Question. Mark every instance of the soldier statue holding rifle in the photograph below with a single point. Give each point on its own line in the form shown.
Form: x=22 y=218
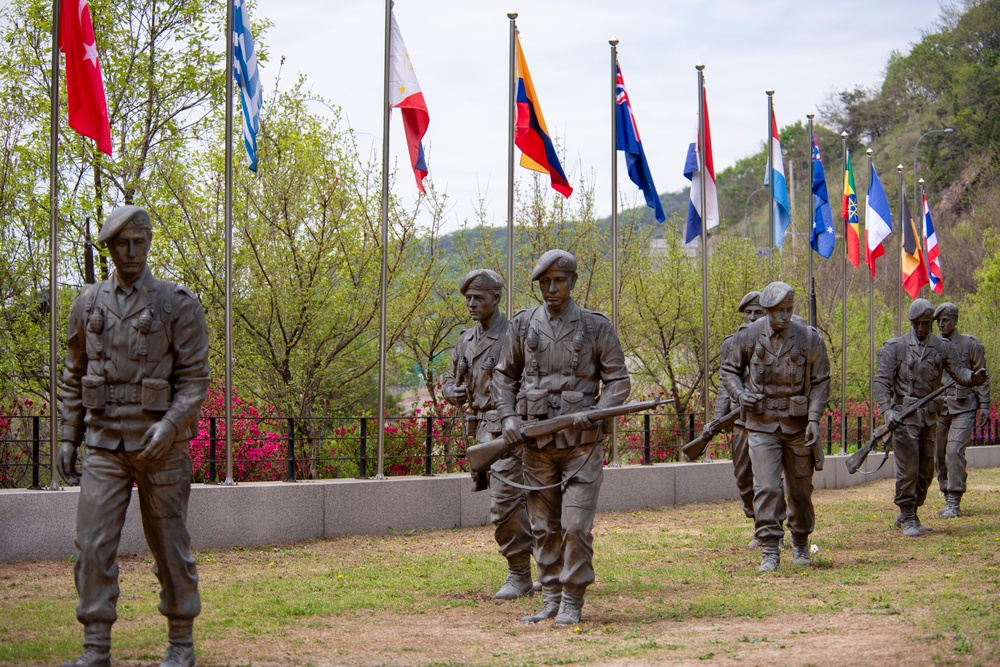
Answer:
x=784 y=394
x=961 y=411
x=560 y=359
x=470 y=383
x=135 y=378
x=910 y=368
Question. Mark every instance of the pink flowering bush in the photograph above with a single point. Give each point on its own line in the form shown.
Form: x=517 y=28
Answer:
x=16 y=442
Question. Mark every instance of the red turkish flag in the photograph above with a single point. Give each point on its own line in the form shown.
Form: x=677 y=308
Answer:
x=88 y=107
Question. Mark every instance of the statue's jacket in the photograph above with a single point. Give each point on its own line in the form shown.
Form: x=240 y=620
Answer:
x=127 y=370
x=971 y=354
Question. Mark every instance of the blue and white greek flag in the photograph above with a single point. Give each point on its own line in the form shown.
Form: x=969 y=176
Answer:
x=247 y=78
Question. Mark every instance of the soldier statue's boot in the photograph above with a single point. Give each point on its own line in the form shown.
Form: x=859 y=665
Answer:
x=908 y=522
x=920 y=526
x=771 y=559
x=754 y=543
x=518 y=581
x=947 y=496
x=92 y=656
x=570 y=608
x=180 y=651
x=952 y=508
x=550 y=608
x=800 y=551
x=96 y=647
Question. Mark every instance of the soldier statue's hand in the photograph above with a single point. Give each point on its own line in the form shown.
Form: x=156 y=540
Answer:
x=749 y=400
x=581 y=422
x=812 y=433
x=981 y=376
x=891 y=420
x=158 y=439
x=66 y=463
x=711 y=428
x=512 y=430
x=455 y=394
x=982 y=417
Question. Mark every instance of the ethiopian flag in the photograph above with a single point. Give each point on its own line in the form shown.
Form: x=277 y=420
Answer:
x=849 y=211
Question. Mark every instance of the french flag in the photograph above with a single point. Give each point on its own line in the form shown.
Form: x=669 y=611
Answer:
x=695 y=214
x=405 y=95
x=933 y=251
x=782 y=210
x=878 y=220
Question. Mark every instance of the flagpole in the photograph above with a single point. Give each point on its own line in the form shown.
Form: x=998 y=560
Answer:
x=512 y=97
x=702 y=178
x=812 y=226
x=383 y=273
x=53 y=247
x=871 y=316
x=899 y=257
x=614 y=220
x=843 y=317
x=770 y=175
x=228 y=221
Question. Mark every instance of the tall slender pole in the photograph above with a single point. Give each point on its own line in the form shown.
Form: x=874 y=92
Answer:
x=614 y=219
x=54 y=246
x=899 y=256
x=812 y=224
x=228 y=220
x=770 y=175
x=384 y=271
x=512 y=99
x=702 y=176
x=871 y=320
x=843 y=315
x=919 y=207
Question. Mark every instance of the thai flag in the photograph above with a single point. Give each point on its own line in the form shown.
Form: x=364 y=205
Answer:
x=933 y=251
x=878 y=220
x=695 y=214
x=782 y=210
x=627 y=140
x=247 y=78
x=404 y=94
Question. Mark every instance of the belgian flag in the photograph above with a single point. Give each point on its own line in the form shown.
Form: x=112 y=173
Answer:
x=912 y=260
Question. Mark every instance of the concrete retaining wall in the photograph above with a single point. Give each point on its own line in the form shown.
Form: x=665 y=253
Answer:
x=41 y=524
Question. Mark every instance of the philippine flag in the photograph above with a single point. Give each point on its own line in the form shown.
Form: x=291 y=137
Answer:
x=933 y=251
x=782 y=210
x=878 y=220
x=405 y=95
x=695 y=217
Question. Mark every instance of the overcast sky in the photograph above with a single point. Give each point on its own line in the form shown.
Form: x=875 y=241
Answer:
x=805 y=51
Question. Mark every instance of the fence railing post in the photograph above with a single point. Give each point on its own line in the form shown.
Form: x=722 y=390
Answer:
x=691 y=436
x=363 y=450
x=829 y=435
x=290 y=473
x=860 y=434
x=645 y=441
x=36 y=445
x=429 y=448
x=211 y=450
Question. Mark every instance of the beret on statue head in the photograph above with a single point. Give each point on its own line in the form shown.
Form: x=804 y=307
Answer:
x=920 y=308
x=748 y=300
x=558 y=259
x=481 y=279
x=946 y=308
x=775 y=293
x=122 y=218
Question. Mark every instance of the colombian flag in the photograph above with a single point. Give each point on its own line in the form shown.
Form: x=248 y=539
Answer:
x=849 y=211
x=530 y=133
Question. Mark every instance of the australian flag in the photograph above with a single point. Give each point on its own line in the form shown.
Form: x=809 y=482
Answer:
x=635 y=157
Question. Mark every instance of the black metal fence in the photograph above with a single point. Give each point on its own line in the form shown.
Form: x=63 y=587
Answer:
x=291 y=449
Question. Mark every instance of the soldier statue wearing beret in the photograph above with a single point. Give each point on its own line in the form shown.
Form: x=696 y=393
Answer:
x=958 y=415
x=560 y=359
x=778 y=371
x=909 y=368
x=135 y=377
x=470 y=382
x=724 y=404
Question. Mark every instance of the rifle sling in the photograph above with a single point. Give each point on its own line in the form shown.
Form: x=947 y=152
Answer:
x=563 y=483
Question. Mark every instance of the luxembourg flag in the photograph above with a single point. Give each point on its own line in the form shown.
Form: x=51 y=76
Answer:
x=933 y=252
x=405 y=95
x=878 y=220
x=695 y=217
x=782 y=210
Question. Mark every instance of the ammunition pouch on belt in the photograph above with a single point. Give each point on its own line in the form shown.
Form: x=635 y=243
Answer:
x=794 y=406
x=491 y=418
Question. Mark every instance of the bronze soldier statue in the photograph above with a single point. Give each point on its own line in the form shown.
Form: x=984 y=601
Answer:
x=960 y=413
x=724 y=404
x=784 y=395
x=560 y=359
x=470 y=382
x=135 y=377
x=909 y=368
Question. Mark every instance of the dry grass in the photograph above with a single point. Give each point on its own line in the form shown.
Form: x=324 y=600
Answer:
x=675 y=585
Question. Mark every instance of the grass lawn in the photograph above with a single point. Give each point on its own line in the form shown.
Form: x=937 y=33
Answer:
x=674 y=586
